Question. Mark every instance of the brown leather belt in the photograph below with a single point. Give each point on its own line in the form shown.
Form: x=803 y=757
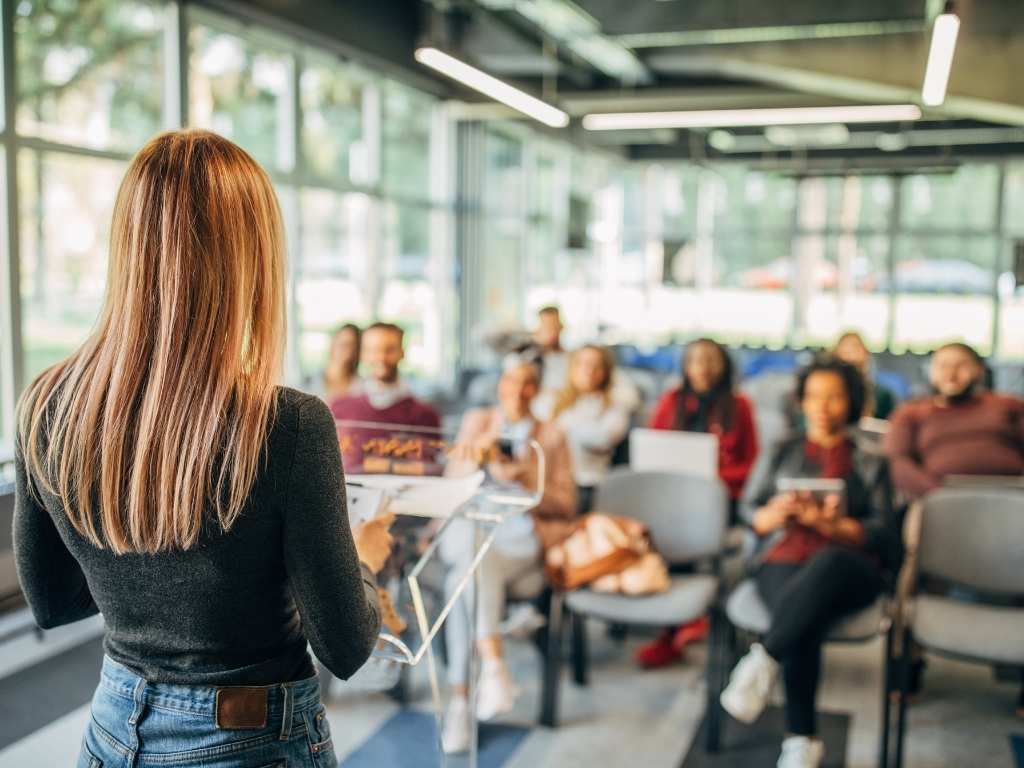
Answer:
x=239 y=708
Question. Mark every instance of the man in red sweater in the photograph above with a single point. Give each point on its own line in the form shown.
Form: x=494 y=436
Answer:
x=960 y=430
x=384 y=399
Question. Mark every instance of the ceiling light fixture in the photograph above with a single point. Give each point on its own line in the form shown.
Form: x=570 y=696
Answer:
x=731 y=118
x=940 y=57
x=492 y=87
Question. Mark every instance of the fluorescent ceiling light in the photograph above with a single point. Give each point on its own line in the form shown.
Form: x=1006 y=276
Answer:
x=492 y=87
x=728 y=118
x=940 y=59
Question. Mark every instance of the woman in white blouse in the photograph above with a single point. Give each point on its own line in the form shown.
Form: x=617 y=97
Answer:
x=594 y=413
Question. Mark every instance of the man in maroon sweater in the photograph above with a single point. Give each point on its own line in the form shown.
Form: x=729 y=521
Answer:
x=960 y=430
x=384 y=399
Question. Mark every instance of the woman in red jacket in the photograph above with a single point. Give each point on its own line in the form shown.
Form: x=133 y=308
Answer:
x=707 y=401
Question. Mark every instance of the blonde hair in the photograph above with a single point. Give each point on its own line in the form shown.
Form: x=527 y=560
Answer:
x=568 y=395
x=163 y=413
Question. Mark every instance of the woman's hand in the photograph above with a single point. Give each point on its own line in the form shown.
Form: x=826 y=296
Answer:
x=373 y=541
x=506 y=470
x=478 y=451
x=776 y=514
x=827 y=519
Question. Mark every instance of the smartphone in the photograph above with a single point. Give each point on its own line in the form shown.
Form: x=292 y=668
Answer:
x=505 y=448
x=818 y=487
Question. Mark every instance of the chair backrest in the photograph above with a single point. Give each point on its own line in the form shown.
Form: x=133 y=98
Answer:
x=686 y=515
x=974 y=537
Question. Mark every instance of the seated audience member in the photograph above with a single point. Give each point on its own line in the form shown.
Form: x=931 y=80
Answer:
x=383 y=398
x=960 y=430
x=707 y=401
x=341 y=376
x=499 y=438
x=819 y=560
x=548 y=339
x=593 y=414
x=879 y=401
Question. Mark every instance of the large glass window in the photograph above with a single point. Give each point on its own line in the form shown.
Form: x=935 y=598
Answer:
x=409 y=293
x=944 y=286
x=964 y=199
x=66 y=205
x=751 y=257
x=334 y=286
x=406 y=135
x=90 y=72
x=241 y=89
x=843 y=257
x=1011 y=306
x=337 y=104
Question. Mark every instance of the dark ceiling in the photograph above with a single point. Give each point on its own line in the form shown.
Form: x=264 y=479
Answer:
x=653 y=55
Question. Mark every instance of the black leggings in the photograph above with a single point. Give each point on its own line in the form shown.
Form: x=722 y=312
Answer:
x=805 y=600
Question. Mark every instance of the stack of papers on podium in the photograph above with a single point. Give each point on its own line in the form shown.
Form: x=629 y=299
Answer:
x=418 y=496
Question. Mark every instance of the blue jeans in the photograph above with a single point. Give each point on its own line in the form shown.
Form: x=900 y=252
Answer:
x=135 y=724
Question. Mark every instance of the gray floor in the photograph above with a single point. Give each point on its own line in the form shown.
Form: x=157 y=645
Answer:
x=637 y=719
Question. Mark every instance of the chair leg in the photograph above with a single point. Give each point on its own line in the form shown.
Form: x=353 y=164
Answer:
x=552 y=662
x=901 y=717
x=887 y=691
x=580 y=654
x=618 y=632
x=715 y=674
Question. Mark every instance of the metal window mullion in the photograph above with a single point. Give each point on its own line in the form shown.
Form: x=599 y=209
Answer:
x=175 y=56
x=293 y=219
x=894 y=231
x=794 y=289
x=1000 y=246
x=12 y=363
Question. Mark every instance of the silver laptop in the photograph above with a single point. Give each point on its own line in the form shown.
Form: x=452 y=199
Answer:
x=687 y=453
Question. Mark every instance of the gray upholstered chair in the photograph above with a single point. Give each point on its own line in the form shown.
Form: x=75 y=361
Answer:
x=969 y=539
x=687 y=518
x=748 y=613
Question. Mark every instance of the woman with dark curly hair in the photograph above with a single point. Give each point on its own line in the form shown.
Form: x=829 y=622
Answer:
x=818 y=558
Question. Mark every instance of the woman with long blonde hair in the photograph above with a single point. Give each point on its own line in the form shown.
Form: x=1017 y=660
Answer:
x=594 y=415
x=167 y=482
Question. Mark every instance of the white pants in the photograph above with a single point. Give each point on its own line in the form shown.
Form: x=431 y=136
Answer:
x=514 y=553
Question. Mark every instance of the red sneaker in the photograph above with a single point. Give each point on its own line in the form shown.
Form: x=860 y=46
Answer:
x=695 y=631
x=659 y=653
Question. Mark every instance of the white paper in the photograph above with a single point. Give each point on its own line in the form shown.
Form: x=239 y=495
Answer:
x=423 y=496
x=363 y=503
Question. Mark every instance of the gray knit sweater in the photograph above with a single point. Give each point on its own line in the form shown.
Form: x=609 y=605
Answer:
x=239 y=608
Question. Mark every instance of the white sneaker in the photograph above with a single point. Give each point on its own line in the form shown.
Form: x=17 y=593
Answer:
x=750 y=685
x=455 y=731
x=496 y=693
x=522 y=622
x=801 y=752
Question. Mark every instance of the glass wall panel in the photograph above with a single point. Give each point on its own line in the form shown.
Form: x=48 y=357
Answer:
x=90 y=72
x=748 y=200
x=964 y=199
x=1011 y=305
x=504 y=175
x=241 y=89
x=406 y=140
x=842 y=278
x=944 y=286
x=66 y=204
x=333 y=286
x=335 y=144
x=1013 y=201
x=750 y=301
